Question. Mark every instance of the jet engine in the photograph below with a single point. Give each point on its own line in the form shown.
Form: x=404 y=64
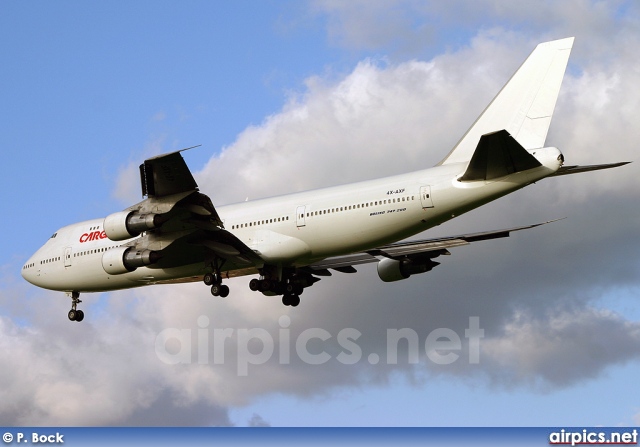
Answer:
x=127 y=224
x=117 y=261
x=394 y=270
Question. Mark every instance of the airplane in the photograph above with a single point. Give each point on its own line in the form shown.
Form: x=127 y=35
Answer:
x=176 y=235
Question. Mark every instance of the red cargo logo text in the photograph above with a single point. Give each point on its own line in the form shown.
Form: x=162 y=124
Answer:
x=94 y=236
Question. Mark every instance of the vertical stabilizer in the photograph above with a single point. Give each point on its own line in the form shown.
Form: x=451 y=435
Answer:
x=524 y=106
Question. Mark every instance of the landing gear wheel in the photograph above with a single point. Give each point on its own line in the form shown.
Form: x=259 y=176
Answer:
x=209 y=279
x=294 y=289
x=265 y=285
x=254 y=284
x=220 y=290
x=75 y=314
x=290 y=300
x=277 y=288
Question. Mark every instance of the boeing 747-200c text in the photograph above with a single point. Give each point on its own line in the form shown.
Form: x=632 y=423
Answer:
x=176 y=234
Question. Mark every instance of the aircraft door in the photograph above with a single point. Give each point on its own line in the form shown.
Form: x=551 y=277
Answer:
x=300 y=221
x=425 y=197
x=67 y=257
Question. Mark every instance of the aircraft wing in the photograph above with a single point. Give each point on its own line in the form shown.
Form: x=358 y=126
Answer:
x=179 y=221
x=165 y=175
x=415 y=250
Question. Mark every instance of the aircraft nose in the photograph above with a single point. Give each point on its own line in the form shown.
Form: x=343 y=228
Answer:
x=29 y=271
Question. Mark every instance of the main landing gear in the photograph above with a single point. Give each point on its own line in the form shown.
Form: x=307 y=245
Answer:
x=274 y=280
x=75 y=314
x=290 y=300
x=289 y=289
x=217 y=288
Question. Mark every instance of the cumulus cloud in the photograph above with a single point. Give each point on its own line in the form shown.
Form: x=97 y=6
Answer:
x=563 y=348
x=257 y=421
x=102 y=373
x=408 y=26
x=542 y=286
x=127 y=182
x=537 y=295
x=380 y=119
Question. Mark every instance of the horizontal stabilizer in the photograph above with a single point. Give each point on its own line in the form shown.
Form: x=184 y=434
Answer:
x=497 y=155
x=566 y=170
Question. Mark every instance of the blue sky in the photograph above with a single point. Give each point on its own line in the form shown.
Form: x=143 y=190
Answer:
x=286 y=96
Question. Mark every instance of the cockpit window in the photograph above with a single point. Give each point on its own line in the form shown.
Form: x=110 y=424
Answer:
x=54 y=235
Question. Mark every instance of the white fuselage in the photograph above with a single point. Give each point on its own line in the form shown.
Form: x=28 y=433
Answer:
x=295 y=229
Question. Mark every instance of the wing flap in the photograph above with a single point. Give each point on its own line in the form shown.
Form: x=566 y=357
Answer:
x=229 y=247
x=430 y=248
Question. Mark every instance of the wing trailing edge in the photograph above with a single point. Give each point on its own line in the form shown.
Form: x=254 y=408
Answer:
x=427 y=248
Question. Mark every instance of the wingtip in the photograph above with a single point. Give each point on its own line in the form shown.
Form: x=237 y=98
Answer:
x=174 y=152
x=546 y=222
x=554 y=220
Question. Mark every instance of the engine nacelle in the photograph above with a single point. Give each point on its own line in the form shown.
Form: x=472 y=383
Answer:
x=120 y=260
x=127 y=224
x=390 y=270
